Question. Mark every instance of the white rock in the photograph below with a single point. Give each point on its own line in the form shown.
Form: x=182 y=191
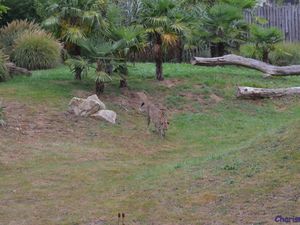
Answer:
x=107 y=115
x=95 y=98
x=83 y=107
x=74 y=105
x=89 y=107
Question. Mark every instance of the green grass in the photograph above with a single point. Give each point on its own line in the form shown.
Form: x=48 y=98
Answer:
x=232 y=161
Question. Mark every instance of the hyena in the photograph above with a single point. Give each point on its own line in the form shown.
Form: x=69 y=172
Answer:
x=155 y=115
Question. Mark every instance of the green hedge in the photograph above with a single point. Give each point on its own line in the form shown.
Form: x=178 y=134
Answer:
x=284 y=54
x=3 y=70
x=37 y=50
x=12 y=31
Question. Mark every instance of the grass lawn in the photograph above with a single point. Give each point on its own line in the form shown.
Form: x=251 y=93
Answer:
x=224 y=160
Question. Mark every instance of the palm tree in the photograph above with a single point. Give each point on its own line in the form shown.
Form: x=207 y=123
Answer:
x=99 y=51
x=127 y=40
x=194 y=11
x=265 y=39
x=223 y=26
x=164 y=23
x=109 y=48
x=74 y=20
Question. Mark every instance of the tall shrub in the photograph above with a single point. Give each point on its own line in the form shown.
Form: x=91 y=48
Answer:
x=37 y=50
x=10 y=32
x=285 y=54
x=224 y=27
x=3 y=69
x=265 y=39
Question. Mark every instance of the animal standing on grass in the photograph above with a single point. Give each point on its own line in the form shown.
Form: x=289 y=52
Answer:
x=157 y=116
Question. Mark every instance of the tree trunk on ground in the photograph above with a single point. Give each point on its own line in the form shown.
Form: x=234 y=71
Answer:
x=257 y=93
x=158 y=55
x=15 y=70
x=268 y=69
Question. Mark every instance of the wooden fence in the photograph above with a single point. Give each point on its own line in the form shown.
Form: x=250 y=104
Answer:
x=284 y=17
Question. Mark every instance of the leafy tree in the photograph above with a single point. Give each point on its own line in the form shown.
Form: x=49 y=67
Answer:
x=75 y=20
x=164 y=24
x=130 y=9
x=3 y=69
x=19 y=10
x=3 y=8
x=127 y=40
x=194 y=11
x=108 y=49
x=265 y=39
x=224 y=26
x=10 y=33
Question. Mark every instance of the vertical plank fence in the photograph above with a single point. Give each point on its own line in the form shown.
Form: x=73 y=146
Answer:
x=284 y=17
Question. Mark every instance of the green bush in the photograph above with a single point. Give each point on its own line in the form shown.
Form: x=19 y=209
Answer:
x=10 y=32
x=37 y=50
x=285 y=54
x=250 y=51
x=265 y=38
x=3 y=69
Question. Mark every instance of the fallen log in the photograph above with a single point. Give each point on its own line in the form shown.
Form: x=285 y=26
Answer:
x=15 y=70
x=256 y=93
x=266 y=68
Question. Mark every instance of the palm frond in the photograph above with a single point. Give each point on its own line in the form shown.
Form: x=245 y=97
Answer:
x=73 y=34
x=78 y=63
x=169 y=39
x=52 y=21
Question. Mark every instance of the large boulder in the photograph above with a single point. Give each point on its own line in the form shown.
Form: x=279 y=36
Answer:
x=86 y=107
x=107 y=115
x=95 y=98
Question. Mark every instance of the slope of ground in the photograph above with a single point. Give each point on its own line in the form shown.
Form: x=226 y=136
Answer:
x=224 y=161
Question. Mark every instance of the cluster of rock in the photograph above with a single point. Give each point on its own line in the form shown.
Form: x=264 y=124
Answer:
x=91 y=107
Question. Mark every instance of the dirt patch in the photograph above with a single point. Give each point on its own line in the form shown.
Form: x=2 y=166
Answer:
x=26 y=125
x=131 y=100
x=97 y=222
x=216 y=98
x=194 y=97
x=171 y=83
x=29 y=126
x=30 y=121
x=202 y=99
x=23 y=121
x=128 y=101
